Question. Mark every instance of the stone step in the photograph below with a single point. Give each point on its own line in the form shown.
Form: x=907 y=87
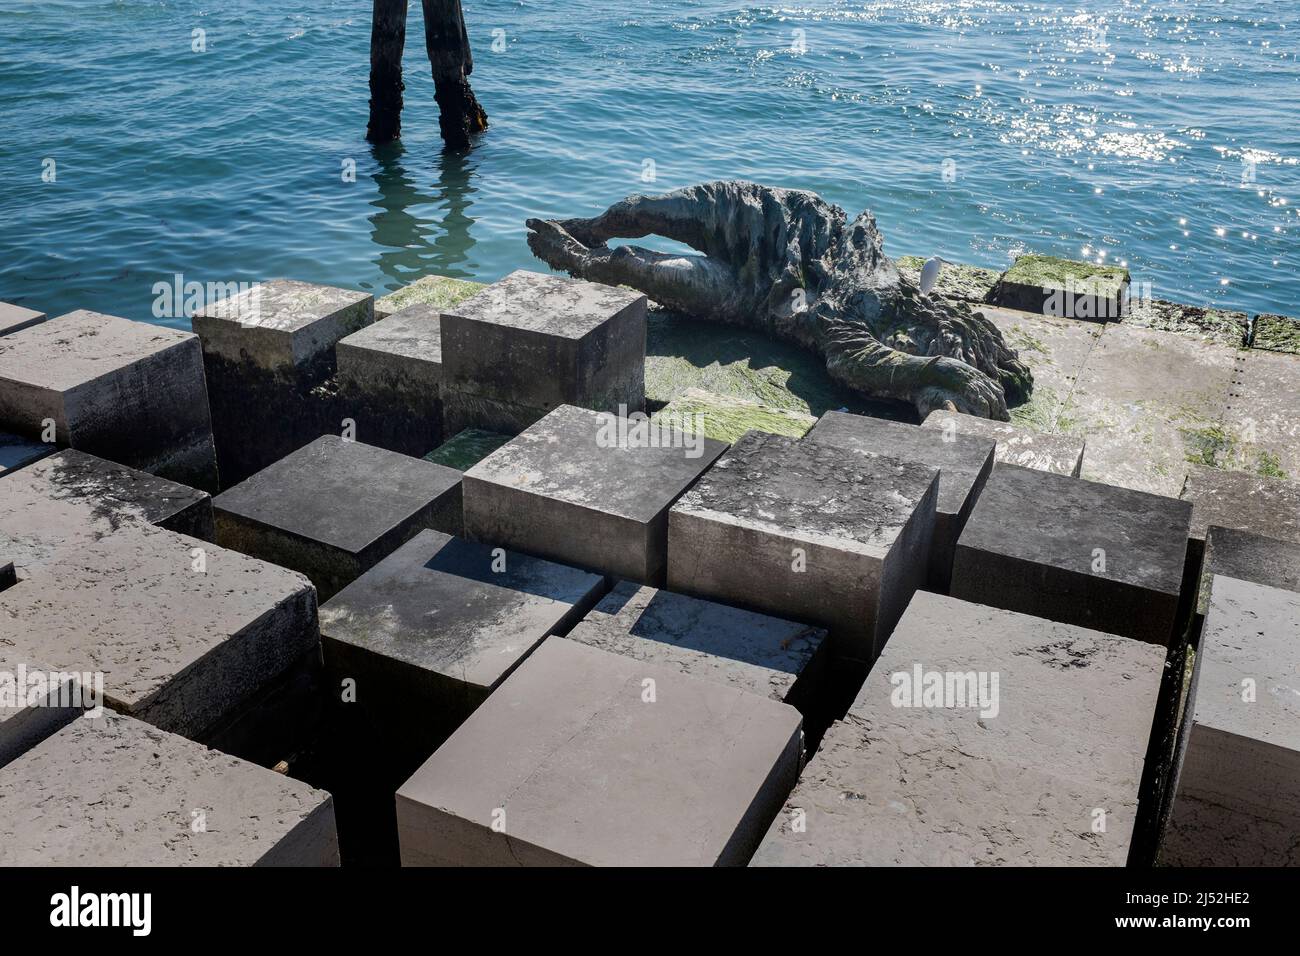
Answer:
x=70 y=499
x=981 y=737
x=808 y=531
x=127 y=391
x=334 y=508
x=118 y=792
x=583 y=488
x=583 y=757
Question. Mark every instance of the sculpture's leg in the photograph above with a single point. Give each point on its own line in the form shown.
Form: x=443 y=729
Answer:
x=696 y=285
x=857 y=360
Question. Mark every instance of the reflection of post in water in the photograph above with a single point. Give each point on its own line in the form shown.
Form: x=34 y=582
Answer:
x=414 y=245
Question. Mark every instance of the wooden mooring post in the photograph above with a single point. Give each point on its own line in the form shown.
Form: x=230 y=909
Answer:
x=447 y=43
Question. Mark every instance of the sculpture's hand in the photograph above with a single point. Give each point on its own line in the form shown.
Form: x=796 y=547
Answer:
x=950 y=383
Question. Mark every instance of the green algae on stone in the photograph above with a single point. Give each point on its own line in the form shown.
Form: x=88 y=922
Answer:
x=1063 y=287
x=725 y=418
x=1211 y=446
x=467 y=448
x=1268 y=465
x=1277 y=333
x=441 y=292
x=956 y=280
x=749 y=364
x=1217 y=325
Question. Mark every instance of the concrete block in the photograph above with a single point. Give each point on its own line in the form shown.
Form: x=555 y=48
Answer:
x=1216 y=325
x=36 y=703
x=1246 y=556
x=725 y=418
x=758 y=653
x=1149 y=403
x=467 y=448
x=432 y=629
x=15 y=318
x=16 y=451
x=586 y=757
x=118 y=792
x=1239 y=499
x=1063 y=287
x=964 y=463
x=809 y=531
x=70 y=500
x=1237 y=791
x=8 y=577
x=1016 y=773
x=183 y=632
x=282 y=324
x=573 y=489
x=539 y=341
x=1261 y=423
x=1277 y=333
x=1075 y=551
x=1056 y=351
x=441 y=292
x=1059 y=454
x=269 y=355
x=956 y=281
x=127 y=391
x=334 y=508
x=390 y=380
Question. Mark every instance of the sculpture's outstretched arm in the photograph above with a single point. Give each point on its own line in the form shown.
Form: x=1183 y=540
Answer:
x=694 y=285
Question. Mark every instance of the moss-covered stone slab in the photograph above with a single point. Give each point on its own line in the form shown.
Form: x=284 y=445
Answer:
x=956 y=281
x=1055 y=350
x=467 y=448
x=683 y=353
x=1149 y=403
x=1216 y=325
x=1062 y=287
x=438 y=291
x=724 y=418
x=1262 y=423
x=1277 y=333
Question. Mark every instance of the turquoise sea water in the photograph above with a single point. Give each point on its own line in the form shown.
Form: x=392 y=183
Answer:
x=1162 y=134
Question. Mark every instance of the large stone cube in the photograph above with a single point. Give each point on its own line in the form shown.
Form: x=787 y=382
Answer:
x=269 y=353
x=981 y=737
x=1075 y=551
x=390 y=377
x=127 y=391
x=118 y=792
x=429 y=631
x=1241 y=500
x=1016 y=445
x=183 y=632
x=809 y=531
x=531 y=342
x=586 y=757
x=70 y=499
x=1232 y=553
x=15 y=318
x=1237 y=792
x=334 y=508
x=573 y=489
x=964 y=462
x=758 y=653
